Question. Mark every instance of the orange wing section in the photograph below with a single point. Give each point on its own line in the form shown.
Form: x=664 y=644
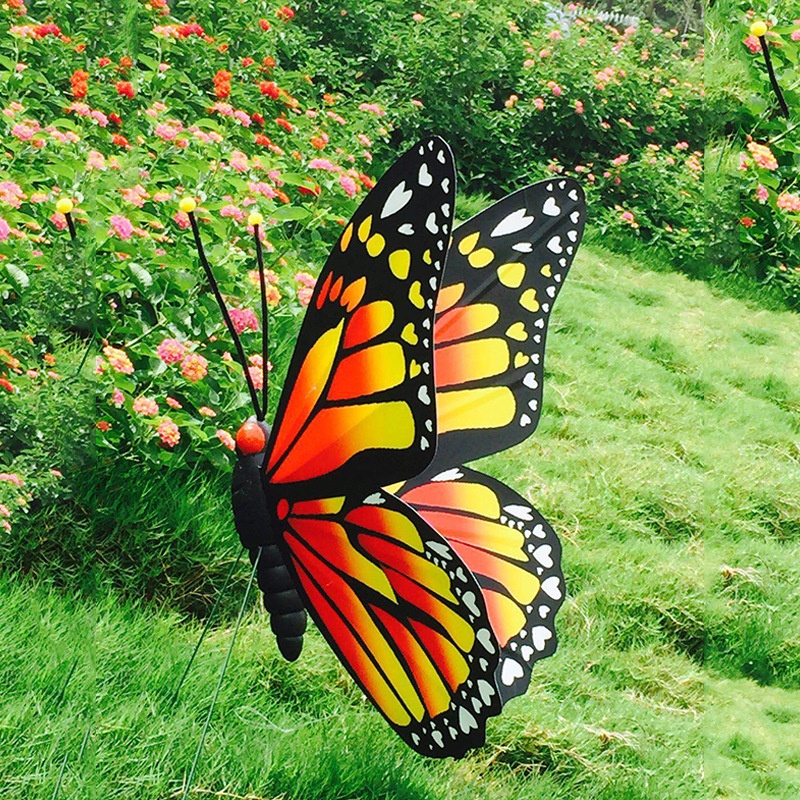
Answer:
x=358 y=409
x=402 y=613
x=514 y=555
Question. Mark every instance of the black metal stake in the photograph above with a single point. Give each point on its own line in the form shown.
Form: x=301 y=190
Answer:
x=773 y=80
x=71 y=225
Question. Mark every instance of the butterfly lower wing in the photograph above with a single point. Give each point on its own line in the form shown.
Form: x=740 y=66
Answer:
x=402 y=613
x=514 y=555
x=504 y=270
x=358 y=408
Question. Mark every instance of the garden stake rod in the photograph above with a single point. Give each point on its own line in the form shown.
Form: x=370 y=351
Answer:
x=772 y=78
x=206 y=626
x=264 y=318
x=225 y=315
x=190 y=778
x=57 y=790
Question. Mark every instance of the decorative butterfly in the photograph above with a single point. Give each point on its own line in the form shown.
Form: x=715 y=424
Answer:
x=390 y=595
x=416 y=621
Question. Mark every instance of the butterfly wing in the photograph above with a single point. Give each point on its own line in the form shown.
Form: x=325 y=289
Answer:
x=514 y=555
x=504 y=270
x=407 y=620
x=358 y=407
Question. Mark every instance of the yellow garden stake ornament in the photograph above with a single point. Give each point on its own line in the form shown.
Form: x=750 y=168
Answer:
x=64 y=206
x=759 y=30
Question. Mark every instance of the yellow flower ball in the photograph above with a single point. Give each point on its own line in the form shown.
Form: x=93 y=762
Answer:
x=255 y=219
x=187 y=205
x=64 y=205
x=758 y=28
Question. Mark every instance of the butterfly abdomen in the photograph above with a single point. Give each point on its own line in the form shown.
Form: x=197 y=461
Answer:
x=286 y=610
x=254 y=526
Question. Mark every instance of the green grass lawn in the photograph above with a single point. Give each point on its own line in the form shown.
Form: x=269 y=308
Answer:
x=668 y=460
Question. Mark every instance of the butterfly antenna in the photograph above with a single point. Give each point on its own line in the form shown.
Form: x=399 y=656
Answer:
x=201 y=743
x=256 y=220
x=206 y=626
x=225 y=315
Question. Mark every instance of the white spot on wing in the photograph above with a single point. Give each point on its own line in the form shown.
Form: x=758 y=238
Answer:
x=512 y=670
x=424 y=177
x=398 y=199
x=551 y=208
x=466 y=721
x=516 y=221
x=449 y=475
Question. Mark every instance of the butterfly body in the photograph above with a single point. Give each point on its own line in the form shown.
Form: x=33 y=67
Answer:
x=255 y=517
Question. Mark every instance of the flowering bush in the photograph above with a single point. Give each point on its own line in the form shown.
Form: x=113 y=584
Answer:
x=521 y=95
x=213 y=114
x=767 y=180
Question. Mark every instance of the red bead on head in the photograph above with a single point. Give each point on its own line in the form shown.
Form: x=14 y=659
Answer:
x=251 y=439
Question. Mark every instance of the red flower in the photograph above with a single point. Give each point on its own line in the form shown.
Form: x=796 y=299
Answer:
x=115 y=118
x=125 y=88
x=7 y=385
x=103 y=62
x=192 y=28
x=748 y=222
x=48 y=29
x=248 y=62
x=258 y=118
x=264 y=24
x=270 y=88
x=121 y=141
x=314 y=191
x=269 y=62
x=284 y=12
x=126 y=62
x=285 y=124
x=264 y=141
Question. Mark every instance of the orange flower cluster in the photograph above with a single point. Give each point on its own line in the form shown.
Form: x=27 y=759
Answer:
x=80 y=83
x=222 y=83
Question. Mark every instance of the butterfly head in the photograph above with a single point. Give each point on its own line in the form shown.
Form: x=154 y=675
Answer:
x=252 y=437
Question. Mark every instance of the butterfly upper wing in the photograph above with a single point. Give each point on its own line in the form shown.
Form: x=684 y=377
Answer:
x=504 y=269
x=358 y=407
x=514 y=555
x=405 y=617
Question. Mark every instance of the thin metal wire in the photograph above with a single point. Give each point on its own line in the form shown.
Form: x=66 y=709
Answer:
x=225 y=315
x=57 y=790
x=210 y=714
x=206 y=626
x=773 y=79
x=264 y=323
